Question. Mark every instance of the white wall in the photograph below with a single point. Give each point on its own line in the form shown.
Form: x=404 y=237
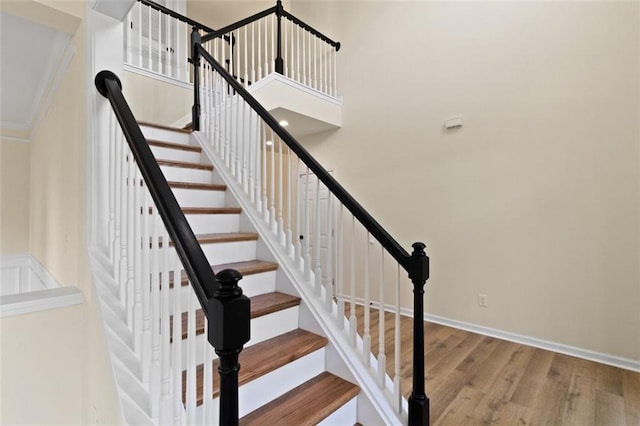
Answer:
x=535 y=201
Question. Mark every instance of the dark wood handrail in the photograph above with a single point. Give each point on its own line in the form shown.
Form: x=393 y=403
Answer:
x=390 y=244
x=231 y=27
x=312 y=30
x=267 y=12
x=193 y=258
x=176 y=15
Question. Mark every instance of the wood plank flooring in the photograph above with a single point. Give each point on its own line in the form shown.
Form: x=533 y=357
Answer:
x=479 y=380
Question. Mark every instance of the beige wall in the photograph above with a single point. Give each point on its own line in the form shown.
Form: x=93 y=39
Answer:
x=217 y=14
x=155 y=101
x=535 y=201
x=41 y=373
x=14 y=197
x=55 y=361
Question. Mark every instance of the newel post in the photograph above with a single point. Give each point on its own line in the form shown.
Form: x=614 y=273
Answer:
x=419 y=273
x=196 y=39
x=279 y=60
x=228 y=317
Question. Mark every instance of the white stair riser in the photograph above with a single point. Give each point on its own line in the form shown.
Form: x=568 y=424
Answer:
x=261 y=391
x=166 y=135
x=345 y=415
x=185 y=174
x=212 y=223
x=175 y=154
x=252 y=285
x=199 y=197
x=262 y=328
x=236 y=251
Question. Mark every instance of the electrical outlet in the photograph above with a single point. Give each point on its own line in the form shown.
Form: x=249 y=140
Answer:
x=482 y=300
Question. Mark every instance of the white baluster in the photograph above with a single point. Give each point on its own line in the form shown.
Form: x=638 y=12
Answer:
x=117 y=183
x=246 y=63
x=237 y=64
x=207 y=380
x=316 y=240
x=128 y=36
x=310 y=38
x=305 y=76
x=260 y=49
x=353 y=321
x=298 y=54
x=169 y=55
x=137 y=263
x=251 y=141
x=191 y=402
x=289 y=234
x=382 y=357
x=123 y=270
x=146 y=286
x=273 y=44
x=253 y=52
x=237 y=139
x=140 y=35
x=325 y=63
x=257 y=143
x=285 y=56
x=339 y=240
x=335 y=73
x=307 y=233
x=330 y=283
x=265 y=200
x=298 y=223
x=366 y=339
x=246 y=128
x=149 y=40
x=397 y=378
x=176 y=332
x=280 y=224
x=162 y=326
x=112 y=179
x=315 y=62
x=130 y=211
x=159 y=43
x=272 y=180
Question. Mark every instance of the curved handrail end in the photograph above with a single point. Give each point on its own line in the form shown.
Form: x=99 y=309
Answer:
x=100 y=81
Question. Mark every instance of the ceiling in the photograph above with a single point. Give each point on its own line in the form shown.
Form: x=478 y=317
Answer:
x=30 y=58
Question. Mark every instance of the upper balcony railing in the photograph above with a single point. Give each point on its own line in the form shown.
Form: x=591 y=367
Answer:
x=271 y=41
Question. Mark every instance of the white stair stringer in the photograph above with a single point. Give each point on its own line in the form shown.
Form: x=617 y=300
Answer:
x=133 y=395
x=316 y=304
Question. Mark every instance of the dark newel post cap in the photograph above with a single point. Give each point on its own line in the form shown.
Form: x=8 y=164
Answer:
x=100 y=81
x=419 y=271
x=418 y=249
x=228 y=280
x=338 y=46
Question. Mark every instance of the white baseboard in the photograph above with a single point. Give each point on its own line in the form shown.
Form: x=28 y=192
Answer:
x=602 y=358
x=27 y=287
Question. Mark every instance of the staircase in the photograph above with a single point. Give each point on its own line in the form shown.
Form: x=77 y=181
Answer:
x=283 y=377
x=179 y=216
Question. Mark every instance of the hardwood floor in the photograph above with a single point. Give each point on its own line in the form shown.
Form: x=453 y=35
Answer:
x=474 y=379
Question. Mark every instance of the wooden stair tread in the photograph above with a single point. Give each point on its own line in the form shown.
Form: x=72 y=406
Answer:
x=194 y=185
x=262 y=358
x=261 y=305
x=227 y=237
x=163 y=127
x=247 y=267
x=170 y=145
x=185 y=164
x=211 y=210
x=207 y=210
x=308 y=404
